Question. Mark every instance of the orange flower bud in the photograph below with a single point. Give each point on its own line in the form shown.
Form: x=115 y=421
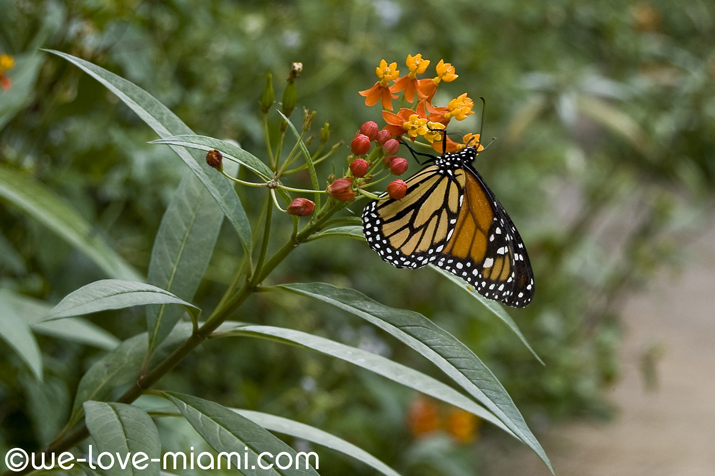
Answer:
x=301 y=207
x=359 y=167
x=397 y=189
x=340 y=189
x=215 y=159
x=398 y=166
x=370 y=129
x=388 y=160
x=383 y=136
x=391 y=147
x=360 y=144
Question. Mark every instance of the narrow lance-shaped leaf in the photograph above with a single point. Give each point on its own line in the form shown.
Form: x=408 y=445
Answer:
x=124 y=431
x=227 y=432
x=182 y=251
x=434 y=343
x=42 y=204
x=73 y=329
x=314 y=435
x=114 y=294
x=166 y=124
x=492 y=306
x=15 y=331
x=375 y=363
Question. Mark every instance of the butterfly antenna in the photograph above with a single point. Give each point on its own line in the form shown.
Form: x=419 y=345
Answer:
x=490 y=143
x=481 y=122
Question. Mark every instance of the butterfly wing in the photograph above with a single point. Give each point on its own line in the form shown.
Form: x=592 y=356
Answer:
x=485 y=248
x=410 y=232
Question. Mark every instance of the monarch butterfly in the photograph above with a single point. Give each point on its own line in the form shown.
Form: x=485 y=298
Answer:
x=450 y=217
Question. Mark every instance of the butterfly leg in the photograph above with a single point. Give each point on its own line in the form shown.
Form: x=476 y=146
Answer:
x=430 y=157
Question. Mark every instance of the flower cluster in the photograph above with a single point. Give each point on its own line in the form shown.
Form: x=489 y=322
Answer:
x=7 y=62
x=374 y=150
x=423 y=119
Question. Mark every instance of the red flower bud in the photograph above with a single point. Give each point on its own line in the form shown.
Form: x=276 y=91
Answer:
x=215 y=159
x=397 y=189
x=391 y=146
x=359 y=167
x=340 y=189
x=383 y=136
x=360 y=144
x=370 y=129
x=388 y=160
x=398 y=166
x=301 y=207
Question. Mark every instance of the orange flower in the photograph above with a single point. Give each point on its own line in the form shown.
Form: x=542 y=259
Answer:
x=416 y=65
x=427 y=87
x=423 y=417
x=460 y=107
x=6 y=63
x=396 y=121
x=434 y=132
x=445 y=71
x=381 y=90
x=462 y=425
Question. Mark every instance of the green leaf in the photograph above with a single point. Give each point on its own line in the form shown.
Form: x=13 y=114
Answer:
x=444 y=350
x=314 y=435
x=492 y=306
x=121 y=366
x=228 y=149
x=16 y=332
x=23 y=77
x=42 y=204
x=308 y=159
x=181 y=253
x=354 y=232
x=123 y=431
x=166 y=124
x=372 y=362
x=114 y=294
x=227 y=431
x=72 y=329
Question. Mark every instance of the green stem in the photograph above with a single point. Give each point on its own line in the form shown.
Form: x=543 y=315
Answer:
x=267 y=134
x=242 y=182
x=264 y=244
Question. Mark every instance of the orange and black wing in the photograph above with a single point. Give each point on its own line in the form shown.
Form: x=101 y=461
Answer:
x=485 y=248
x=412 y=231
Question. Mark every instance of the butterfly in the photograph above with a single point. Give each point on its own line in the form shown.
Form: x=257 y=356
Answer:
x=450 y=218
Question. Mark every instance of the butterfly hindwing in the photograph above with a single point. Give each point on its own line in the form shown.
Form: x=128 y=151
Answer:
x=486 y=250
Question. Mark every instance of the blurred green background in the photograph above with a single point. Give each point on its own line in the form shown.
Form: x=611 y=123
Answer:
x=605 y=118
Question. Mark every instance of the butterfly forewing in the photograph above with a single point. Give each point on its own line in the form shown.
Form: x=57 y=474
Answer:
x=408 y=233
x=451 y=218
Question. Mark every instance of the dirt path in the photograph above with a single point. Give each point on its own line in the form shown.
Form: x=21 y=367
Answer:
x=669 y=431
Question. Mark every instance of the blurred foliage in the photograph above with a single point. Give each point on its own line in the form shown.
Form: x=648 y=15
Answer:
x=605 y=113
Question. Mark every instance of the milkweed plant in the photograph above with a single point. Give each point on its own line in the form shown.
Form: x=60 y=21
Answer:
x=109 y=399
